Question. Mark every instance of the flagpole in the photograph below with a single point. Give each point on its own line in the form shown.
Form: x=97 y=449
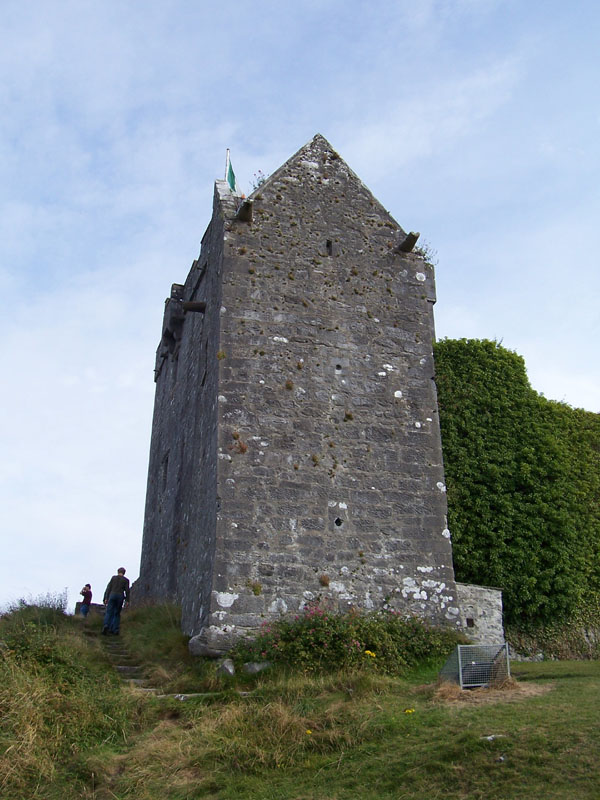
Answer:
x=227 y=159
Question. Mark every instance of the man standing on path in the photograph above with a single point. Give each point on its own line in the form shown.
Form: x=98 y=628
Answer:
x=117 y=592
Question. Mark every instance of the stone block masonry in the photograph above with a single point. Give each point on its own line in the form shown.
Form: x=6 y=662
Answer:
x=296 y=451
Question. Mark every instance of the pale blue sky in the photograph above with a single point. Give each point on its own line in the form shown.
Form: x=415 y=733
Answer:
x=475 y=122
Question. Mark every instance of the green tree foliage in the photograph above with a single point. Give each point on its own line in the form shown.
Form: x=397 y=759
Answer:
x=523 y=483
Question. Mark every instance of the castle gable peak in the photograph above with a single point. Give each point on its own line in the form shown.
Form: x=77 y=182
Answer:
x=318 y=172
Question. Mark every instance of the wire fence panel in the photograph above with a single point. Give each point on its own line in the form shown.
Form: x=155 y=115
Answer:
x=473 y=665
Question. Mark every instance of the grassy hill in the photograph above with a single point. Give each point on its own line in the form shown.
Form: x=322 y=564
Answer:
x=72 y=729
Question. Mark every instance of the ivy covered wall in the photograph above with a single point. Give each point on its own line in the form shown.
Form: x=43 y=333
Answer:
x=523 y=478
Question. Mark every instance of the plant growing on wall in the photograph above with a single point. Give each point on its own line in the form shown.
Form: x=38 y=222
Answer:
x=523 y=482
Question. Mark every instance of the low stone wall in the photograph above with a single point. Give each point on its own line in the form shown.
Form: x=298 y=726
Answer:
x=481 y=613
x=95 y=608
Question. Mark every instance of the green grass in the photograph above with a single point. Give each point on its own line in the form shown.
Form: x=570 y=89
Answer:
x=58 y=699
x=362 y=742
x=338 y=735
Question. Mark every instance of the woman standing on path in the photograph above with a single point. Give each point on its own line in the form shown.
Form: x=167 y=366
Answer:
x=84 y=607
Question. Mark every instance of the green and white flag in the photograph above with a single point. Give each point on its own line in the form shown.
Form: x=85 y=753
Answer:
x=230 y=174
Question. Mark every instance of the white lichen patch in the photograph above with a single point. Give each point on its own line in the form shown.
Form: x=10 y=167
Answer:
x=340 y=588
x=278 y=606
x=424 y=569
x=222 y=398
x=379 y=571
x=225 y=599
x=219 y=630
x=417 y=424
x=446 y=533
x=342 y=505
x=420 y=276
x=389 y=367
x=382 y=374
x=225 y=457
x=441 y=486
x=398 y=394
x=281 y=339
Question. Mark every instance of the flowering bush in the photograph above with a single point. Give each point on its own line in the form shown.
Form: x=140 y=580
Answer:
x=319 y=639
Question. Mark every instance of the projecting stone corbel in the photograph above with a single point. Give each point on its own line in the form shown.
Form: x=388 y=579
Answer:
x=407 y=244
x=191 y=306
x=244 y=211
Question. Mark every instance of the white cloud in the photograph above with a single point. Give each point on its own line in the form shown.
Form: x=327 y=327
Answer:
x=421 y=125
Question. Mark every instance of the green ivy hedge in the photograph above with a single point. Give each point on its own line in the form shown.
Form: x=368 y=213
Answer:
x=523 y=483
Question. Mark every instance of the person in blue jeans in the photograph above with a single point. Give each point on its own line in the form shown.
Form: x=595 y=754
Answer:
x=115 y=596
x=84 y=607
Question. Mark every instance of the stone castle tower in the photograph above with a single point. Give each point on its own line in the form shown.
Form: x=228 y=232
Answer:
x=296 y=448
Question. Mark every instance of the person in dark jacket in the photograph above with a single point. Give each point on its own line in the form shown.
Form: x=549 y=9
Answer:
x=86 y=594
x=116 y=594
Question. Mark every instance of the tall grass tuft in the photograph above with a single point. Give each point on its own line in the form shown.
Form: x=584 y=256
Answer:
x=57 y=698
x=153 y=633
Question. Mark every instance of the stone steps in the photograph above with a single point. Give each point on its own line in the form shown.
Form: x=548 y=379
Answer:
x=126 y=665
x=132 y=673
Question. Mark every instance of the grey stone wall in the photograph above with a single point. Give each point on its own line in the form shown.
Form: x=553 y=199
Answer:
x=481 y=613
x=296 y=450
x=181 y=500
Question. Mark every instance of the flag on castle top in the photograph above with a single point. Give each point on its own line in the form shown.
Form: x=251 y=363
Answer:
x=229 y=173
